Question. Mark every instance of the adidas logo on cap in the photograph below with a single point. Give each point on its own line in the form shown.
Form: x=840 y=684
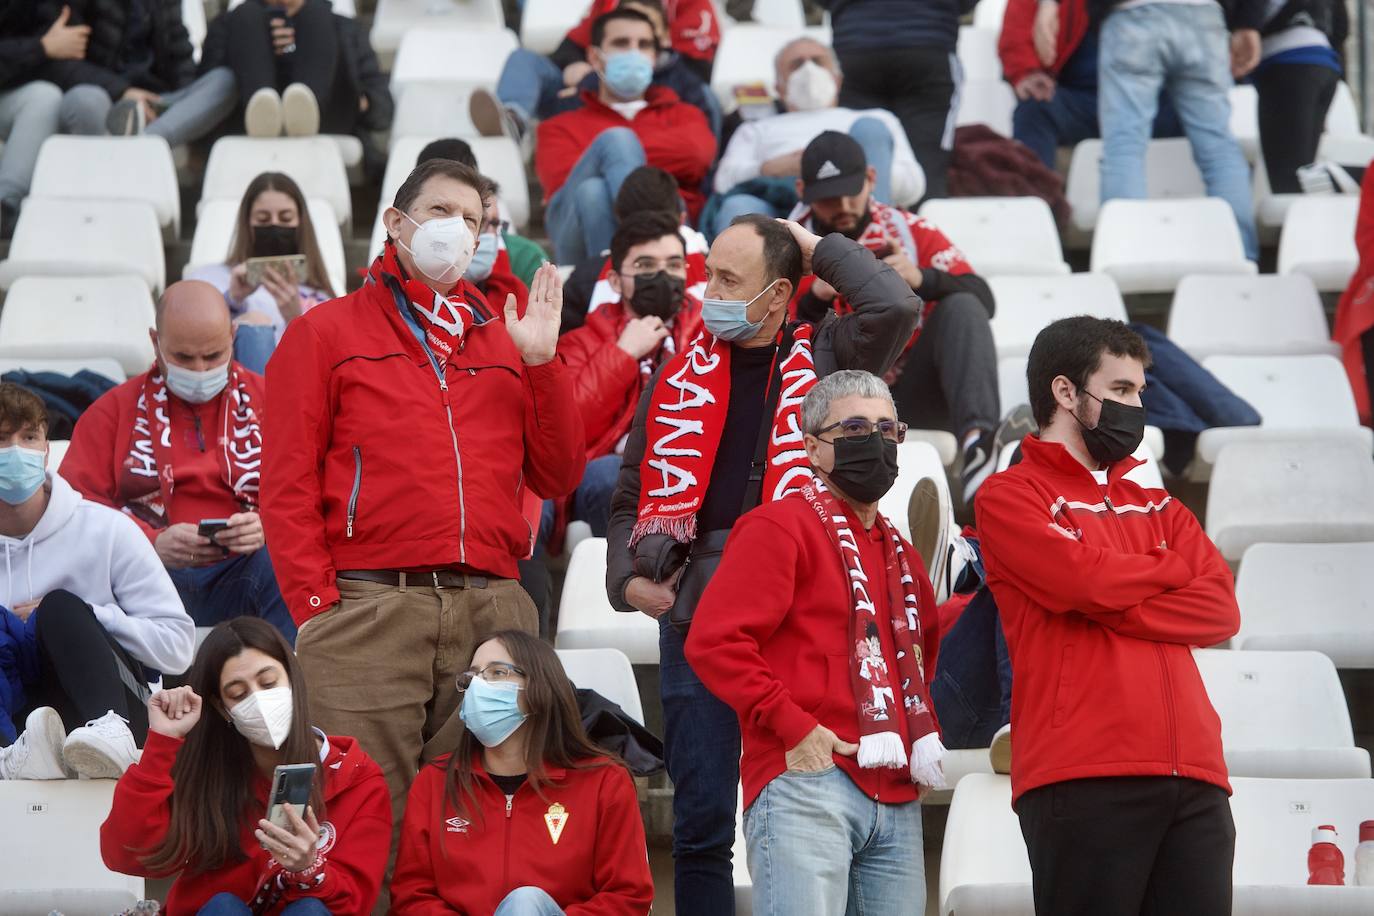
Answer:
x=828 y=169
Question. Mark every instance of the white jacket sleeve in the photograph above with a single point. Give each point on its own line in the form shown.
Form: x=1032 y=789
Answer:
x=908 y=178
x=147 y=617
x=742 y=159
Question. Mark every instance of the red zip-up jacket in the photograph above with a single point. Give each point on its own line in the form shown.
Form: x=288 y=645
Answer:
x=1103 y=589
x=781 y=658
x=581 y=842
x=355 y=832
x=376 y=462
x=1016 y=44
x=676 y=138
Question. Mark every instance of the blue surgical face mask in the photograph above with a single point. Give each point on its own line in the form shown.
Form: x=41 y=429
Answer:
x=728 y=319
x=479 y=268
x=21 y=473
x=196 y=387
x=628 y=74
x=491 y=711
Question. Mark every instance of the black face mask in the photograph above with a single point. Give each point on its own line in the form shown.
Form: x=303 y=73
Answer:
x=658 y=294
x=1118 y=433
x=865 y=469
x=275 y=241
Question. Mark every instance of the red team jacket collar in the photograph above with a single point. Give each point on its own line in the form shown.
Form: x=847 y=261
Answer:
x=1054 y=456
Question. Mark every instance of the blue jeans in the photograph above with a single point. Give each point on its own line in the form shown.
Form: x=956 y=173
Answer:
x=971 y=689
x=528 y=901
x=1071 y=116
x=820 y=846
x=28 y=116
x=530 y=83
x=188 y=114
x=581 y=214
x=591 y=500
x=1182 y=49
x=254 y=345
x=701 y=744
x=227 y=904
x=242 y=586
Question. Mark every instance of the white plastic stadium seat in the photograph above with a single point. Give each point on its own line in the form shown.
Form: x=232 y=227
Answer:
x=1290 y=492
x=79 y=318
x=1268 y=315
x=111 y=168
x=586 y=619
x=746 y=54
x=988 y=14
x=779 y=14
x=1148 y=246
x=67 y=238
x=608 y=672
x=1350 y=151
x=314 y=163
x=544 y=23
x=977 y=52
x=1000 y=235
x=983 y=866
x=215 y=232
x=426 y=106
x=1169 y=173
x=1318 y=240
x=744 y=884
x=50 y=858
x=990 y=102
x=394 y=19
x=1309 y=596
x=914 y=461
x=461 y=56
x=1245 y=119
x=101 y=365
x=1343 y=117
x=57 y=450
x=341 y=7
x=1025 y=305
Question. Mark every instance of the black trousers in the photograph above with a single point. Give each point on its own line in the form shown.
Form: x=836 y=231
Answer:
x=84 y=673
x=917 y=85
x=1129 y=846
x=949 y=378
x=1293 y=99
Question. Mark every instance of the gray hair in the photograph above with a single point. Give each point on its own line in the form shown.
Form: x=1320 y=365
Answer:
x=805 y=39
x=847 y=383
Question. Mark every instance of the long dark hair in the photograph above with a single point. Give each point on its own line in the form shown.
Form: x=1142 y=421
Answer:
x=241 y=246
x=214 y=770
x=556 y=736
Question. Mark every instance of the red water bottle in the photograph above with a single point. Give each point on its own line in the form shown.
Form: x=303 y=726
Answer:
x=1325 y=864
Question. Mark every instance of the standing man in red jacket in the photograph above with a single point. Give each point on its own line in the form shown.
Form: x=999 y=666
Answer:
x=1104 y=587
x=409 y=418
x=582 y=156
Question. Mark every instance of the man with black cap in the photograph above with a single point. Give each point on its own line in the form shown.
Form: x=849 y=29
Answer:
x=948 y=377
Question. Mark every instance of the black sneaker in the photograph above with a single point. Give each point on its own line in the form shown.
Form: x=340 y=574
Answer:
x=980 y=460
x=126 y=118
x=9 y=218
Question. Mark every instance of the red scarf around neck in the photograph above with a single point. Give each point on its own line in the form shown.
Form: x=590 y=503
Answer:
x=445 y=319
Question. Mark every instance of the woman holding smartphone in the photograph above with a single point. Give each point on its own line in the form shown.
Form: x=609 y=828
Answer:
x=196 y=804
x=527 y=817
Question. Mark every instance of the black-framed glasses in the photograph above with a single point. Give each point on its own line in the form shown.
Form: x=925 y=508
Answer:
x=861 y=428
x=645 y=266
x=494 y=673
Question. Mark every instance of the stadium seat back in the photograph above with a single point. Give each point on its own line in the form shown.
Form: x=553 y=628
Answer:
x=1026 y=305
x=586 y=619
x=1169 y=173
x=79 y=318
x=1148 y=246
x=914 y=461
x=465 y=56
x=314 y=163
x=83 y=237
x=609 y=673
x=1001 y=235
x=1270 y=314
x=1318 y=239
x=111 y=168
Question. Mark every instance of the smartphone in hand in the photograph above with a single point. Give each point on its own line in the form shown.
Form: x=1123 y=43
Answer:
x=209 y=527
x=291 y=784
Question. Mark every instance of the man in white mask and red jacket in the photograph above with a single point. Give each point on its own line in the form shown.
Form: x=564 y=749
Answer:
x=406 y=422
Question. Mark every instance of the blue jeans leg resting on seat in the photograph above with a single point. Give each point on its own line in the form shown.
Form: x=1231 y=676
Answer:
x=592 y=501
x=244 y=585
x=195 y=110
x=529 y=83
x=254 y=345
x=1067 y=118
x=876 y=140
x=820 y=846
x=581 y=215
x=738 y=205
x=83 y=110
x=528 y=901
x=971 y=689
x=28 y=116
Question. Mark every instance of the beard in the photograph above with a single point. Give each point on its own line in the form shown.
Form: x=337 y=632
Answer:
x=824 y=228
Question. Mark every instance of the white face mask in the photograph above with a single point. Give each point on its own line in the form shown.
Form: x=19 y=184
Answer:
x=195 y=387
x=811 y=87
x=264 y=716
x=442 y=248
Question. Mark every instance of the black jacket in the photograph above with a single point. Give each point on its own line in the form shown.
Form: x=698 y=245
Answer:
x=869 y=25
x=871 y=338
x=1240 y=14
x=22 y=25
x=173 y=66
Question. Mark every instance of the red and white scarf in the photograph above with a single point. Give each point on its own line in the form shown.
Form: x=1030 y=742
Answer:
x=880 y=738
x=686 y=418
x=444 y=319
x=149 y=478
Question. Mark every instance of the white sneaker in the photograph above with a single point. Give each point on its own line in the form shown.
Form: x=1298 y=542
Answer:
x=1000 y=751
x=300 y=111
x=262 y=116
x=36 y=754
x=102 y=748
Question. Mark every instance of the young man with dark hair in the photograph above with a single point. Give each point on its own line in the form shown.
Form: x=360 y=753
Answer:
x=1104 y=588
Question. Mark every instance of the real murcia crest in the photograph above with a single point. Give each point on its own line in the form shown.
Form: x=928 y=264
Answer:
x=556 y=818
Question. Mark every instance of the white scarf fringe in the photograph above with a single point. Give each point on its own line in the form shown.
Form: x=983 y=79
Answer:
x=881 y=749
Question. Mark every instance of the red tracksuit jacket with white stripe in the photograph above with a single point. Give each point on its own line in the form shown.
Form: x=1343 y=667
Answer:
x=1103 y=588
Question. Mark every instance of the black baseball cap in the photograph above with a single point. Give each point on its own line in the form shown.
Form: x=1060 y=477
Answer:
x=832 y=165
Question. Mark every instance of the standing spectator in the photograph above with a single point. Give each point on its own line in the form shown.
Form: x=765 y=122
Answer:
x=822 y=764
x=1147 y=45
x=406 y=421
x=583 y=156
x=1354 y=325
x=899 y=55
x=180 y=446
x=1104 y=588
x=766 y=153
x=138 y=74
x=742 y=381
x=948 y=378
x=96 y=615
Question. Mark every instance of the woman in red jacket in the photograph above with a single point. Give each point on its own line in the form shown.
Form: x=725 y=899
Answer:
x=527 y=817
x=197 y=801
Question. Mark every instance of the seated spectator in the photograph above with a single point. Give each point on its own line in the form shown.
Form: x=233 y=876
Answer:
x=764 y=155
x=523 y=768
x=90 y=617
x=195 y=807
x=948 y=377
x=138 y=75
x=273 y=220
x=300 y=68
x=583 y=156
x=179 y=448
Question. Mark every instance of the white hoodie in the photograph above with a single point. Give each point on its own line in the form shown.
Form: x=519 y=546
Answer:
x=100 y=555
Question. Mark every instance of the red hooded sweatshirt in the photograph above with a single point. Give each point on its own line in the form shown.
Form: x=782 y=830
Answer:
x=355 y=833
x=1103 y=587
x=581 y=841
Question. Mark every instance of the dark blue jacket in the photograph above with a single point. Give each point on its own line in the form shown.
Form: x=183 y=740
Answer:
x=867 y=25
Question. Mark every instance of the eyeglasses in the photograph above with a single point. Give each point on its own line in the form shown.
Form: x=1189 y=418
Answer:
x=643 y=266
x=494 y=673
x=860 y=428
